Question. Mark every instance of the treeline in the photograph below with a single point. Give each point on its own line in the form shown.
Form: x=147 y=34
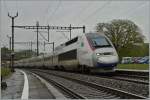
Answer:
x=135 y=51
x=6 y=53
x=126 y=36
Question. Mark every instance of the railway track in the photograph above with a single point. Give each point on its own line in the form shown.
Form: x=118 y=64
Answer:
x=136 y=77
x=144 y=79
x=125 y=76
x=133 y=74
x=139 y=77
x=112 y=92
x=87 y=94
x=65 y=90
x=129 y=78
x=71 y=93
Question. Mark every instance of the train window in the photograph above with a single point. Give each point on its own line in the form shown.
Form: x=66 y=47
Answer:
x=48 y=58
x=71 y=41
x=98 y=41
x=70 y=55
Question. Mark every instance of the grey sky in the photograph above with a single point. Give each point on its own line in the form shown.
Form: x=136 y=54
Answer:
x=63 y=13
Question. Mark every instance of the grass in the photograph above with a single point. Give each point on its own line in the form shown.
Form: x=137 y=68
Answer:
x=5 y=71
x=134 y=66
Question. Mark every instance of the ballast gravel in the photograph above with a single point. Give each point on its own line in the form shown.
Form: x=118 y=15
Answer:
x=135 y=88
x=85 y=91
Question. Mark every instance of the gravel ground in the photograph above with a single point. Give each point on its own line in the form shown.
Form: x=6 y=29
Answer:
x=132 y=78
x=130 y=87
x=85 y=91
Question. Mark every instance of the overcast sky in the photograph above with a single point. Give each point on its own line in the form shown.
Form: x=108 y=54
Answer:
x=64 y=13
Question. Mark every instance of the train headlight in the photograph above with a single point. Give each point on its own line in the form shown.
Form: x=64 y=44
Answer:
x=105 y=54
x=99 y=54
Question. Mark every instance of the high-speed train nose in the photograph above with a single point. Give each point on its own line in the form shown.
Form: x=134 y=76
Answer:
x=110 y=61
x=107 y=59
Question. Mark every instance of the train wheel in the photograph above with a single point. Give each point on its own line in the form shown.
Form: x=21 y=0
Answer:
x=83 y=69
x=88 y=71
x=55 y=67
x=62 y=68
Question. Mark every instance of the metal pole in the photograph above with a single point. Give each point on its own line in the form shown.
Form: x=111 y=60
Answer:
x=12 y=53
x=83 y=28
x=9 y=42
x=12 y=34
x=44 y=45
x=48 y=33
x=31 y=48
x=53 y=54
x=70 y=31
x=37 y=24
x=53 y=46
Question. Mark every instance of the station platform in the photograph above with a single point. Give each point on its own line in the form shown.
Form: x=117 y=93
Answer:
x=37 y=90
x=26 y=85
x=15 y=85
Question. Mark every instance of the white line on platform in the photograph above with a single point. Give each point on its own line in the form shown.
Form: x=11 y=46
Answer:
x=25 y=92
x=53 y=90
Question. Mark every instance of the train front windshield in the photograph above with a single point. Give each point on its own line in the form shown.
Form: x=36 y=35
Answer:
x=98 y=41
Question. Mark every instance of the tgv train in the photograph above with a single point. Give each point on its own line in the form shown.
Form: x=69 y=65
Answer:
x=89 y=52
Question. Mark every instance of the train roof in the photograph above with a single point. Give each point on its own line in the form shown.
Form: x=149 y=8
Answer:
x=95 y=34
x=67 y=43
x=90 y=34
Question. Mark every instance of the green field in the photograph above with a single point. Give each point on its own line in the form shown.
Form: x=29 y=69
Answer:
x=133 y=66
x=5 y=71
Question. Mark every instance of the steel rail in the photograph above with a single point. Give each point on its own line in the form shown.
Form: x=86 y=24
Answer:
x=117 y=92
x=134 y=76
x=124 y=79
x=131 y=80
x=135 y=73
x=63 y=88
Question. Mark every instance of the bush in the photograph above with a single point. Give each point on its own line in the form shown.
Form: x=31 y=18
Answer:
x=5 y=71
x=134 y=51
